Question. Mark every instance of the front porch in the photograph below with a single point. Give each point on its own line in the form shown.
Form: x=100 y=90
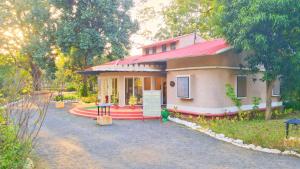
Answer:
x=117 y=113
x=117 y=87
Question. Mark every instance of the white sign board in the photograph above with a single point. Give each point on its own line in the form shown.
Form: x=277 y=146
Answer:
x=152 y=103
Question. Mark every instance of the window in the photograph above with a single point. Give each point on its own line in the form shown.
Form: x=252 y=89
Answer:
x=147 y=51
x=183 y=87
x=153 y=50
x=276 y=88
x=241 y=84
x=173 y=46
x=164 y=48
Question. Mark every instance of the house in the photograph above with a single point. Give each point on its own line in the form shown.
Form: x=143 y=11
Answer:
x=190 y=72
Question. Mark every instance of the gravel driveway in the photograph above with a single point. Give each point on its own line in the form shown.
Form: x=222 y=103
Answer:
x=70 y=142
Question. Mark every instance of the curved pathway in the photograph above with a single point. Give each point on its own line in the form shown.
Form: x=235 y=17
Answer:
x=67 y=141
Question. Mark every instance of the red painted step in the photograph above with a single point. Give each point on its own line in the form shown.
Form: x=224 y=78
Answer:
x=121 y=114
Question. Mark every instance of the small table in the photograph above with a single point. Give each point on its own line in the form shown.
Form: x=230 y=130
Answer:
x=104 y=106
x=288 y=122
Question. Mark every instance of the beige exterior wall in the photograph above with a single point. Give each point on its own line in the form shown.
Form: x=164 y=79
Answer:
x=209 y=75
x=121 y=82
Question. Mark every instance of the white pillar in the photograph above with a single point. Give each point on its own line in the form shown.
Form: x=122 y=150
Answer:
x=121 y=87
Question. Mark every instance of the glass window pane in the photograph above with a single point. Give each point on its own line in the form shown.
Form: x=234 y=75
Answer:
x=138 y=90
x=241 y=86
x=128 y=89
x=276 y=88
x=183 y=87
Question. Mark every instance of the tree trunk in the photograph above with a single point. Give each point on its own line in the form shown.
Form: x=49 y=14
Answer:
x=268 y=113
x=36 y=76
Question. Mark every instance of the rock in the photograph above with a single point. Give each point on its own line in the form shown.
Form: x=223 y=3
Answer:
x=252 y=146
x=29 y=164
x=275 y=151
x=220 y=135
x=238 y=141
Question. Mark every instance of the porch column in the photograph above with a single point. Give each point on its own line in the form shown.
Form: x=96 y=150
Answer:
x=99 y=86
x=121 y=87
x=152 y=83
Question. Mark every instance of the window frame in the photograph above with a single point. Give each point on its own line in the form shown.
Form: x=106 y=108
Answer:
x=276 y=95
x=189 y=87
x=164 y=48
x=236 y=89
x=173 y=46
x=154 y=50
x=147 y=51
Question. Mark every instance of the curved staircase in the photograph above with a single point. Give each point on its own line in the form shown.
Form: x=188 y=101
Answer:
x=122 y=113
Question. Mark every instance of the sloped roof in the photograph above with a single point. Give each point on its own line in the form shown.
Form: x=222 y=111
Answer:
x=205 y=48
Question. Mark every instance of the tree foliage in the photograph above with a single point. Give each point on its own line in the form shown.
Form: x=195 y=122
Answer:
x=93 y=28
x=268 y=30
x=25 y=34
x=187 y=16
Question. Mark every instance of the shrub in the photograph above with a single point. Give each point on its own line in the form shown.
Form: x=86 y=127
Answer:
x=89 y=99
x=231 y=94
x=132 y=100
x=70 y=97
x=59 y=98
x=13 y=152
x=83 y=91
x=71 y=88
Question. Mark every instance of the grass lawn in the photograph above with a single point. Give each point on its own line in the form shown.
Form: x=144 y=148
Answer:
x=269 y=134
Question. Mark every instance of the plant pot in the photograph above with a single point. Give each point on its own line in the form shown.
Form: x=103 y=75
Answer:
x=60 y=105
x=132 y=106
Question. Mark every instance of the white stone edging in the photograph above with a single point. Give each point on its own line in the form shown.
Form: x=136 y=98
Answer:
x=236 y=142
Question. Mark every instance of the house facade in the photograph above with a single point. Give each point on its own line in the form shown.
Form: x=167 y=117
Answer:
x=190 y=72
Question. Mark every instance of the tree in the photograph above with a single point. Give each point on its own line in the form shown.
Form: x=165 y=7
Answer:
x=25 y=33
x=290 y=80
x=187 y=16
x=267 y=30
x=93 y=29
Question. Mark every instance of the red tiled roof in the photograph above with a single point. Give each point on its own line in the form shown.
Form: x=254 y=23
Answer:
x=200 y=49
x=205 y=48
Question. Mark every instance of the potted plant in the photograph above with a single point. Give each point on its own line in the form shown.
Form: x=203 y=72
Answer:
x=115 y=101
x=132 y=101
x=59 y=101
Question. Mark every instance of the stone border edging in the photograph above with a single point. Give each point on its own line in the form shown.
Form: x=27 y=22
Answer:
x=236 y=142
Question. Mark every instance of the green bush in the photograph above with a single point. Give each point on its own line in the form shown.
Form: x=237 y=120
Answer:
x=59 y=98
x=89 y=99
x=70 y=97
x=83 y=91
x=292 y=104
x=13 y=152
x=70 y=88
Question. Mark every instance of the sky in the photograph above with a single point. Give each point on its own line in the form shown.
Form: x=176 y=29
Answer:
x=150 y=25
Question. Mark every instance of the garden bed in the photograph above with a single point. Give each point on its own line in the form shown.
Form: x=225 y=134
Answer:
x=268 y=134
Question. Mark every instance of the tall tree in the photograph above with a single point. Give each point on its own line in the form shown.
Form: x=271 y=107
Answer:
x=25 y=32
x=93 y=29
x=187 y=16
x=268 y=30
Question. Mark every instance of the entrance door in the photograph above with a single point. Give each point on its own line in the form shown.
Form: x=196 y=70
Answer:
x=134 y=87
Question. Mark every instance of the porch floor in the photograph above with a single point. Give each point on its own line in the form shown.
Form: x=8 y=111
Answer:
x=117 y=113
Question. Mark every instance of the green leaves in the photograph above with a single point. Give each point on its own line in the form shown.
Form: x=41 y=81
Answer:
x=263 y=27
x=94 y=29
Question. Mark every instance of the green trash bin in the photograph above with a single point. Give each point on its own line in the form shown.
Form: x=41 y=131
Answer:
x=165 y=114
